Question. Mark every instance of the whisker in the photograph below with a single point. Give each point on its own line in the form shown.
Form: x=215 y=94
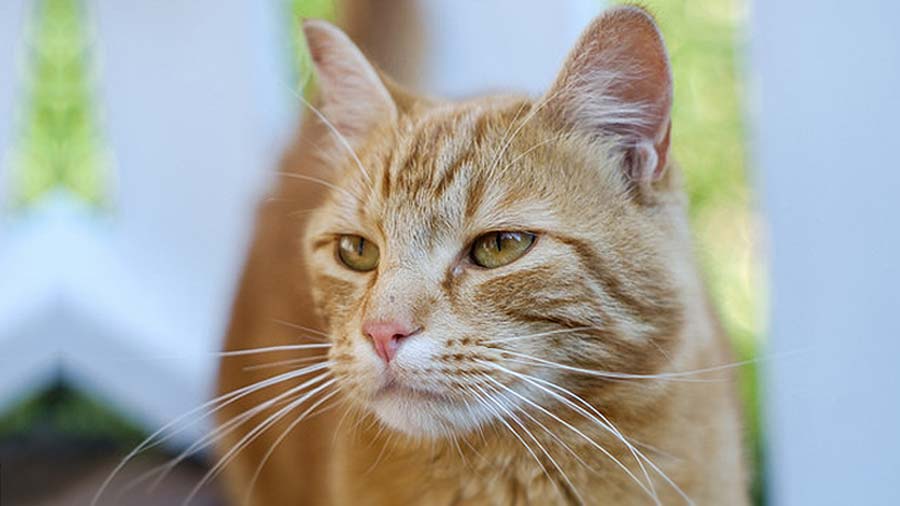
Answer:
x=507 y=131
x=279 y=363
x=340 y=137
x=656 y=450
x=486 y=397
x=528 y=117
x=282 y=436
x=301 y=212
x=251 y=436
x=675 y=376
x=607 y=424
x=297 y=326
x=223 y=430
x=593 y=443
x=604 y=422
x=544 y=450
x=269 y=349
x=312 y=179
x=381 y=453
x=228 y=398
x=454 y=440
x=469 y=409
x=556 y=438
x=337 y=428
x=525 y=153
x=539 y=334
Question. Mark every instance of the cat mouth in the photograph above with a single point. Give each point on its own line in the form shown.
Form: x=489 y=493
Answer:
x=417 y=411
x=393 y=388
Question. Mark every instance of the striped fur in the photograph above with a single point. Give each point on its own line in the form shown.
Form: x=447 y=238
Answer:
x=610 y=286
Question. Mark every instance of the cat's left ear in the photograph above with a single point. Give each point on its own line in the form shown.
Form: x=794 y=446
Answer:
x=617 y=84
x=352 y=96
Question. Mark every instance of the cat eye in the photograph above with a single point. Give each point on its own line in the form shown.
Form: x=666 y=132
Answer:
x=357 y=253
x=496 y=249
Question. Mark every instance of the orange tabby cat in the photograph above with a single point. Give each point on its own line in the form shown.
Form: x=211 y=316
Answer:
x=486 y=302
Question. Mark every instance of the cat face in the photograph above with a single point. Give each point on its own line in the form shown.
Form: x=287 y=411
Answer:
x=476 y=258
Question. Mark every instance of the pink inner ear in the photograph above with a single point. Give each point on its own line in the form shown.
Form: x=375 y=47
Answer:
x=662 y=153
x=617 y=81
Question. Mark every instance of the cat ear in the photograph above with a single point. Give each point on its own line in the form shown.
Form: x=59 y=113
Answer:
x=353 y=98
x=617 y=82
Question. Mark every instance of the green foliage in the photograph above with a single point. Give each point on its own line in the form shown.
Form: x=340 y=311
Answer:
x=61 y=410
x=59 y=144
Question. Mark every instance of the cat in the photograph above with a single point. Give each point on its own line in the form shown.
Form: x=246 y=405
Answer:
x=491 y=301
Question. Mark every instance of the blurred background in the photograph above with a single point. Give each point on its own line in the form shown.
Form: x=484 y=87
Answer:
x=137 y=137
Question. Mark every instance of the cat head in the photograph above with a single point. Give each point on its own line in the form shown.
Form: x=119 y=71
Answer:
x=474 y=257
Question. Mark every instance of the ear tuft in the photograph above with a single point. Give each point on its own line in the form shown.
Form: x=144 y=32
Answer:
x=352 y=95
x=617 y=83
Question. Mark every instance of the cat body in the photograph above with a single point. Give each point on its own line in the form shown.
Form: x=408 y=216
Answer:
x=499 y=298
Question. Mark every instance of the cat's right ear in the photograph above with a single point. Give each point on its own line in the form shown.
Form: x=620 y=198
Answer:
x=616 y=85
x=352 y=96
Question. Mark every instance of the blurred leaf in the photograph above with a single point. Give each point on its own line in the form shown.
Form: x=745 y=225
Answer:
x=61 y=410
x=59 y=145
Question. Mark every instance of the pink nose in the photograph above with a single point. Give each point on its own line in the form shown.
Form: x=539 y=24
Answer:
x=386 y=336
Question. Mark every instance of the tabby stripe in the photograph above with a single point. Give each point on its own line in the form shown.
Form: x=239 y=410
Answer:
x=405 y=173
x=450 y=172
x=474 y=197
x=666 y=319
x=386 y=175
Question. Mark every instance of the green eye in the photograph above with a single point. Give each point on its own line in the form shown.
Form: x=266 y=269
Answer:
x=357 y=253
x=496 y=249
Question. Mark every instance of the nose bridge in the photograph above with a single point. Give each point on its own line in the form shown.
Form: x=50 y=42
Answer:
x=400 y=293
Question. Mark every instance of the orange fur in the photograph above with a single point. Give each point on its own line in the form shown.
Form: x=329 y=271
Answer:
x=462 y=415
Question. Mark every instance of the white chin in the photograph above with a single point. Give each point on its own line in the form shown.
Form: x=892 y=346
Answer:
x=427 y=417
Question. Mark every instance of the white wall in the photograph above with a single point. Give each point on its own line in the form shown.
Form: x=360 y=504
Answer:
x=474 y=47
x=11 y=25
x=827 y=77
x=24 y=362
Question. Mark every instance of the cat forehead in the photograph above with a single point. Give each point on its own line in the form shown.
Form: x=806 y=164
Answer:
x=457 y=162
x=454 y=170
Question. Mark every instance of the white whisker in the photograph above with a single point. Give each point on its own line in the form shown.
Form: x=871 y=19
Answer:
x=228 y=398
x=607 y=424
x=546 y=429
x=269 y=349
x=539 y=445
x=675 y=376
x=281 y=437
x=251 y=436
x=593 y=443
x=322 y=182
x=488 y=399
x=525 y=153
x=528 y=117
x=539 y=334
x=280 y=363
x=223 y=430
x=381 y=453
x=304 y=328
x=340 y=137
